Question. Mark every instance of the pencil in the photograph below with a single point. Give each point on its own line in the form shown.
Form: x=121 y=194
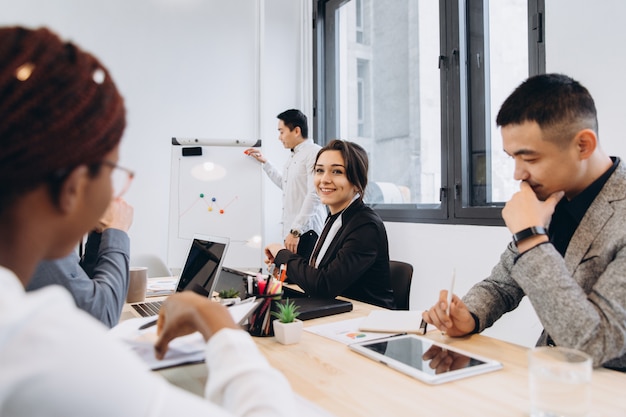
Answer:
x=265 y=329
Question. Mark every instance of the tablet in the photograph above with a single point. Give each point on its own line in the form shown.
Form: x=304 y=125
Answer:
x=425 y=359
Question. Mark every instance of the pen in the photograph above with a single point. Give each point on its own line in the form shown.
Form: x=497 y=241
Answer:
x=153 y=322
x=423 y=326
x=450 y=291
x=283 y=272
x=268 y=281
x=148 y=324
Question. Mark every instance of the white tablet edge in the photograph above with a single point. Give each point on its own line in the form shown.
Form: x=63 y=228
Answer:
x=488 y=365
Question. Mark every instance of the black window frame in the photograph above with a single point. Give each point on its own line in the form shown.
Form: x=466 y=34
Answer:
x=462 y=107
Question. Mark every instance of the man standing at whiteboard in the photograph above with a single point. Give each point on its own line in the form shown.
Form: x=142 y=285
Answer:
x=303 y=213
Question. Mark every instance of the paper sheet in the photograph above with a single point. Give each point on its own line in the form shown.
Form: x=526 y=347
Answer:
x=345 y=331
x=161 y=286
x=182 y=350
x=396 y=321
x=186 y=349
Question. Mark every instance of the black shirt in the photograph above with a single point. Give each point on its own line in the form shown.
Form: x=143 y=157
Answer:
x=568 y=214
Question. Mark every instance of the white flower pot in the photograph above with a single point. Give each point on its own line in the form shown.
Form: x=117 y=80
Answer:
x=288 y=333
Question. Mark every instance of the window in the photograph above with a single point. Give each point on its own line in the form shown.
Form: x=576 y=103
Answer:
x=418 y=84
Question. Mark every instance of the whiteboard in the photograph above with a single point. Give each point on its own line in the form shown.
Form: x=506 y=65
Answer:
x=216 y=193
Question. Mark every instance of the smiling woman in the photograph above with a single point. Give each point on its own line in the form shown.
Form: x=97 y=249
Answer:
x=351 y=256
x=340 y=175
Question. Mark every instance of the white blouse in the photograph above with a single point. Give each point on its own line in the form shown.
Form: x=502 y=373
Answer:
x=56 y=360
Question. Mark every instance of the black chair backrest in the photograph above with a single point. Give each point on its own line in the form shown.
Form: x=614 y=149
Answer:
x=401 y=274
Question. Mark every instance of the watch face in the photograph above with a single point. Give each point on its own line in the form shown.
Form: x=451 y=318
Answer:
x=295 y=233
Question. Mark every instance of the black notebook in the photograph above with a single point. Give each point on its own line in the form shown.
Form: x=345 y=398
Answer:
x=314 y=307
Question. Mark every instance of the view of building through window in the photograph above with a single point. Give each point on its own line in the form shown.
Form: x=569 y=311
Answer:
x=388 y=92
x=508 y=67
x=388 y=88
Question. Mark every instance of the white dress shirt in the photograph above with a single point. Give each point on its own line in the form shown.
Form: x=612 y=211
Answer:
x=302 y=208
x=56 y=360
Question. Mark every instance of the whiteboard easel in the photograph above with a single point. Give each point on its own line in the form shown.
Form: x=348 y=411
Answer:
x=216 y=193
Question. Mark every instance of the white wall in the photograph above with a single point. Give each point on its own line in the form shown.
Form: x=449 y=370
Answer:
x=187 y=68
x=585 y=40
x=173 y=61
x=472 y=251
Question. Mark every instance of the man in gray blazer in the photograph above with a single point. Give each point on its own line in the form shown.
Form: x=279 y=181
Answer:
x=568 y=255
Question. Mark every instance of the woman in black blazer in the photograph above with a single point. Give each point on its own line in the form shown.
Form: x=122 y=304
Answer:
x=351 y=256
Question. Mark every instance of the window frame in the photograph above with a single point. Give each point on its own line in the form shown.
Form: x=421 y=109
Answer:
x=458 y=125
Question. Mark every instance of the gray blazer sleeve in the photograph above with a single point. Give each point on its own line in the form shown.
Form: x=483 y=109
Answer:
x=496 y=295
x=103 y=292
x=580 y=299
x=576 y=311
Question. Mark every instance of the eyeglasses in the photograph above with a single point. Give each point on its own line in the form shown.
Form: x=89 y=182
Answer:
x=120 y=178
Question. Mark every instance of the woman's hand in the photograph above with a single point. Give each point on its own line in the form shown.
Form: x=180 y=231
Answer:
x=187 y=312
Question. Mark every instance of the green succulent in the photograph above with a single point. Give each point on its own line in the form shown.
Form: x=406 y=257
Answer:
x=287 y=311
x=229 y=293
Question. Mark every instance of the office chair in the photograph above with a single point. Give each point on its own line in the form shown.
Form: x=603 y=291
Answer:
x=156 y=266
x=401 y=274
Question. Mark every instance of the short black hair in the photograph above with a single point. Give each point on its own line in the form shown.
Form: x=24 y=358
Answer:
x=293 y=118
x=553 y=101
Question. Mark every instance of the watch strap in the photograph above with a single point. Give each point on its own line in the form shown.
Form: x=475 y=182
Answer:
x=529 y=232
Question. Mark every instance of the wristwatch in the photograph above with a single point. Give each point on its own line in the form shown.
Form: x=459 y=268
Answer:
x=295 y=233
x=529 y=232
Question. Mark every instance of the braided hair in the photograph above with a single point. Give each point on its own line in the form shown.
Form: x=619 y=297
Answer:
x=59 y=109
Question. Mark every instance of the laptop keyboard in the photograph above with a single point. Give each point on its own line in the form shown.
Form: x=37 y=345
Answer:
x=148 y=309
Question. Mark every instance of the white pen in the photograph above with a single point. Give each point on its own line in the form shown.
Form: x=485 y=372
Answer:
x=450 y=291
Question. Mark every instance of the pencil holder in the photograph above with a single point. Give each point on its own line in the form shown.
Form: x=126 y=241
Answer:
x=256 y=285
x=260 y=321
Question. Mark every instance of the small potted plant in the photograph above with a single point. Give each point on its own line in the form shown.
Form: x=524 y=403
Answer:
x=287 y=327
x=229 y=296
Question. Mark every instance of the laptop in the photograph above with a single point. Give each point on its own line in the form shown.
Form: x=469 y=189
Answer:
x=199 y=274
x=309 y=307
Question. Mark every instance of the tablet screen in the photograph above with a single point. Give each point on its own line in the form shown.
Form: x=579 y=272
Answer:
x=424 y=359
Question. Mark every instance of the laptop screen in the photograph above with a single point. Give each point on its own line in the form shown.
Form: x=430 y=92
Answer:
x=203 y=264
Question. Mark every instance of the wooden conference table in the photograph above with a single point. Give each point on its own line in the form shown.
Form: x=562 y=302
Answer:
x=345 y=383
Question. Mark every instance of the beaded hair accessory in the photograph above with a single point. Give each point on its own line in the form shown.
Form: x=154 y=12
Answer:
x=24 y=71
